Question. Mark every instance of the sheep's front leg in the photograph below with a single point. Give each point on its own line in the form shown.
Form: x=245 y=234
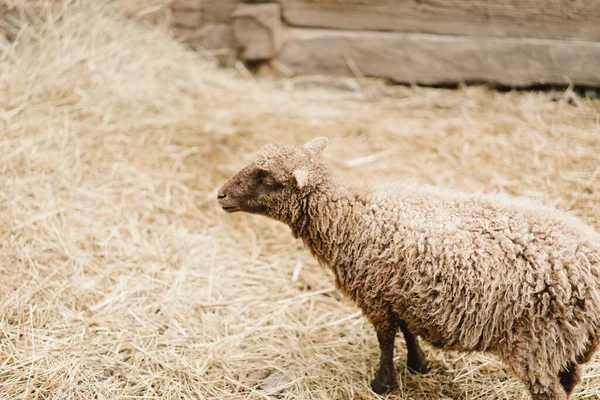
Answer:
x=385 y=378
x=416 y=361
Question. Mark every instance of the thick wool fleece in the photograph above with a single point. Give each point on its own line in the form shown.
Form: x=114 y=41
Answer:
x=465 y=272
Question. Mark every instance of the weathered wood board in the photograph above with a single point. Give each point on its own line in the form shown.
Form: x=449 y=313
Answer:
x=2 y=24
x=438 y=59
x=187 y=18
x=186 y=4
x=546 y=19
x=257 y=31
x=218 y=11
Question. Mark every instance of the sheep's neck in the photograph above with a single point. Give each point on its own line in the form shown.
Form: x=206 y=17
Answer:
x=325 y=221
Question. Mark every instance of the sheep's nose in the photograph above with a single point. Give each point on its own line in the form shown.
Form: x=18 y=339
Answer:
x=221 y=196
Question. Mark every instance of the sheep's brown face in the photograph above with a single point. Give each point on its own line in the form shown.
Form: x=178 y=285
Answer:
x=267 y=183
x=253 y=189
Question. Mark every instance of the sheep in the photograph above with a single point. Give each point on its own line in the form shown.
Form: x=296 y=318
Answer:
x=465 y=272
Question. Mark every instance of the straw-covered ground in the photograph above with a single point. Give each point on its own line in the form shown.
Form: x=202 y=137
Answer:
x=121 y=278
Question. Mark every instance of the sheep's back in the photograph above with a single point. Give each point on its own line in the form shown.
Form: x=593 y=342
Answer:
x=467 y=270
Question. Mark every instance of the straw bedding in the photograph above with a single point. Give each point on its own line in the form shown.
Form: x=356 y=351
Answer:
x=121 y=278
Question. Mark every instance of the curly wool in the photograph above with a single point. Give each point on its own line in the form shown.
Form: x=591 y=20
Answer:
x=466 y=272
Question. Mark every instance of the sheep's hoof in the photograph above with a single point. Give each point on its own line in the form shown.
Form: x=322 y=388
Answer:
x=418 y=367
x=381 y=386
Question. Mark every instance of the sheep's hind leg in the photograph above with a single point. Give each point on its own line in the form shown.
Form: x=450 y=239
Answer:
x=554 y=392
x=416 y=361
x=541 y=383
x=570 y=377
x=571 y=374
x=385 y=378
x=591 y=349
x=546 y=389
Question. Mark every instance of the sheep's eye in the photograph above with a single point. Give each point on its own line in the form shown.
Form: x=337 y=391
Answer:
x=269 y=181
x=266 y=179
x=261 y=174
x=263 y=177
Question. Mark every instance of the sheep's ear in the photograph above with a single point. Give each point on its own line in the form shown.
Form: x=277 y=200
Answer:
x=316 y=145
x=301 y=176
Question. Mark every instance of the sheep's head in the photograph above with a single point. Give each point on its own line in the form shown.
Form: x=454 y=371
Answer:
x=278 y=174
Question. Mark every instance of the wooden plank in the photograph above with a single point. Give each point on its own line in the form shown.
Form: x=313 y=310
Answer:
x=3 y=24
x=215 y=39
x=186 y=18
x=186 y=4
x=436 y=59
x=257 y=31
x=218 y=11
x=545 y=19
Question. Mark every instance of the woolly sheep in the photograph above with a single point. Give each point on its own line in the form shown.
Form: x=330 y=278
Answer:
x=464 y=272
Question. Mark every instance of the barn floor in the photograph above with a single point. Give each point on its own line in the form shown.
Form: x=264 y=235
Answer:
x=121 y=278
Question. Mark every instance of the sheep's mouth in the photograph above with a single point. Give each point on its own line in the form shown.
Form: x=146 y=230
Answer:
x=230 y=209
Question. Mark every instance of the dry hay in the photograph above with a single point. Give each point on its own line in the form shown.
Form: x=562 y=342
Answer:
x=121 y=278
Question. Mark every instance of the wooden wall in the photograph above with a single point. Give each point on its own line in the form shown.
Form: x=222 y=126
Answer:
x=541 y=19
x=206 y=24
x=509 y=42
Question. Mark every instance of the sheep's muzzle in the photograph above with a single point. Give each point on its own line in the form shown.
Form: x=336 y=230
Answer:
x=227 y=203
